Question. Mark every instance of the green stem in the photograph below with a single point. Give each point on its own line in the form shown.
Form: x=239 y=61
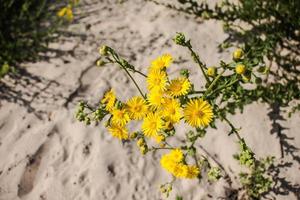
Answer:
x=201 y=65
x=137 y=86
x=141 y=73
x=233 y=129
x=224 y=86
x=213 y=83
x=160 y=148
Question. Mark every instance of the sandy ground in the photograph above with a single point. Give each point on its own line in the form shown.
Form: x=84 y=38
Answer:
x=46 y=154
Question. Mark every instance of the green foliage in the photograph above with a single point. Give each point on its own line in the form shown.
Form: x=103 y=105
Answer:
x=256 y=183
x=267 y=28
x=214 y=174
x=26 y=28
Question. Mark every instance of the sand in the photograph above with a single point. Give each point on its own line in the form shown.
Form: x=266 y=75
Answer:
x=46 y=154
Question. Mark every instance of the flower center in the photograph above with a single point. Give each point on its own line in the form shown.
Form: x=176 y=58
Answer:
x=177 y=87
x=200 y=113
x=153 y=125
x=137 y=108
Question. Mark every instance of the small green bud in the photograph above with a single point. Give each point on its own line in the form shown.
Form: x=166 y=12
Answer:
x=258 y=80
x=169 y=188
x=4 y=69
x=205 y=15
x=140 y=142
x=246 y=77
x=87 y=121
x=103 y=51
x=144 y=149
x=185 y=73
x=263 y=69
x=133 y=135
x=179 y=39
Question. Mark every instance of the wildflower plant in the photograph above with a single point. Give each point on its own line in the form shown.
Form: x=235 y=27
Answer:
x=170 y=101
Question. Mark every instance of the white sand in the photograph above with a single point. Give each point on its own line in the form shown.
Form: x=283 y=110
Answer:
x=46 y=154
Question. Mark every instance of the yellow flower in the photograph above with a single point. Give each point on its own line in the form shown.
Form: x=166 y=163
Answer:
x=198 y=113
x=238 y=54
x=179 y=87
x=120 y=116
x=157 y=79
x=66 y=12
x=156 y=98
x=161 y=62
x=180 y=171
x=176 y=155
x=192 y=172
x=152 y=124
x=118 y=131
x=167 y=163
x=137 y=108
x=172 y=110
x=62 y=12
x=173 y=163
x=69 y=14
x=240 y=69
x=109 y=100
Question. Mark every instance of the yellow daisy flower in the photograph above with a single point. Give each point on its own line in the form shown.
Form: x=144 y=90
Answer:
x=109 y=100
x=137 y=108
x=118 y=131
x=176 y=155
x=156 y=98
x=180 y=171
x=192 y=172
x=157 y=79
x=171 y=110
x=161 y=62
x=178 y=87
x=120 y=116
x=167 y=163
x=152 y=124
x=173 y=163
x=198 y=113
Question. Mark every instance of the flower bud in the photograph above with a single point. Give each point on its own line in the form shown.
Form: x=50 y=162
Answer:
x=133 y=135
x=140 y=142
x=240 y=69
x=87 y=121
x=246 y=77
x=143 y=149
x=179 y=39
x=238 y=54
x=211 y=71
x=103 y=51
x=185 y=73
x=100 y=63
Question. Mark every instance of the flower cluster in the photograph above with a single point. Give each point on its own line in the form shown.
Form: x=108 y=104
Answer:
x=165 y=104
x=174 y=163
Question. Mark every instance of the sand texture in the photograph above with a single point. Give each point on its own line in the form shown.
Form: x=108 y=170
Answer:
x=47 y=155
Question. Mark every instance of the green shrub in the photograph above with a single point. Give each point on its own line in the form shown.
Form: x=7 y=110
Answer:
x=26 y=28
